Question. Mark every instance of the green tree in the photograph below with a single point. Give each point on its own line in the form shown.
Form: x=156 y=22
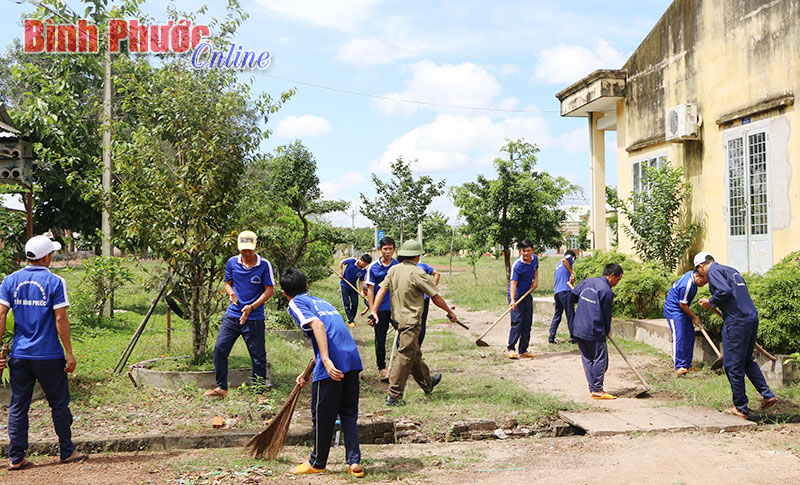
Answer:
x=55 y=99
x=583 y=236
x=658 y=218
x=437 y=234
x=521 y=203
x=400 y=205
x=362 y=239
x=284 y=205
x=612 y=199
x=179 y=163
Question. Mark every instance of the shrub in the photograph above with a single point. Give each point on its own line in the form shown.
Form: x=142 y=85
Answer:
x=777 y=297
x=104 y=276
x=641 y=292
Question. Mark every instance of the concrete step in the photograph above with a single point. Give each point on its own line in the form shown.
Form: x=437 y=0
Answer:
x=654 y=420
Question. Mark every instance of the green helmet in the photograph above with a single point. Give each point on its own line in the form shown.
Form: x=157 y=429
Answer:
x=410 y=248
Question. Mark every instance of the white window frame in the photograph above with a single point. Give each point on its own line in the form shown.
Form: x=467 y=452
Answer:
x=743 y=132
x=656 y=159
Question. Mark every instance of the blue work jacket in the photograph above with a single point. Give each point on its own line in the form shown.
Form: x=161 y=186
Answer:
x=729 y=294
x=592 y=319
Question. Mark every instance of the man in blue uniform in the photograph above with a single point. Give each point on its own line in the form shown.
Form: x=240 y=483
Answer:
x=39 y=301
x=334 y=386
x=249 y=284
x=729 y=293
x=375 y=275
x=524 y=276
x=352 y=271
x=592 y=324
x=428 y=269
x=563 y=278
x=682 y=320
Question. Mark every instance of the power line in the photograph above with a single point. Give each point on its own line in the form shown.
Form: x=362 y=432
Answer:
x=401 y=100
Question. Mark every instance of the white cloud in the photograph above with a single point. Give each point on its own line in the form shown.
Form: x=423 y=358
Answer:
x=568 y=63
x=451 y=143
x=344 y=15
x=365 y=52
x=508 y=103
x=331 y=189
x=464 y=84
x=509 y=69
x=302 y=126
x=576 y=141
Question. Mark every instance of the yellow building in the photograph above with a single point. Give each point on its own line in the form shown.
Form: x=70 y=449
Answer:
x=711 y=88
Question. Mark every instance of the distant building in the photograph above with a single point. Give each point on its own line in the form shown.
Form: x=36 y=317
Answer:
x=711 y=88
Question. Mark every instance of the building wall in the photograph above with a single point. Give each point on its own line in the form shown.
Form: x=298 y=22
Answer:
x=725 y=56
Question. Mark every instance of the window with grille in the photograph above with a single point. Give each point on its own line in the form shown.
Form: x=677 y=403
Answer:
x=572 y=242
x=747 y=184
x=736 y=197
x=757 y=148
x=657 y=161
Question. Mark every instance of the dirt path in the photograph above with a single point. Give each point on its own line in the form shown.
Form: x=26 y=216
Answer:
x=559 y=372
x=762 y=457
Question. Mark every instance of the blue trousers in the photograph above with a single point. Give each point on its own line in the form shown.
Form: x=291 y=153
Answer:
x=594 y=355
x=563 y=305
x=682 y=339
x=381 y=329
x=330 y=398
x=521 y=321
x=350 y=302
x=425 y=308
x=51 y=376
x=738 y=343
x=254 y=337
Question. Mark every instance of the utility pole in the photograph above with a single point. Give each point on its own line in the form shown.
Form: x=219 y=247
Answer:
x=107 y=248
x=353 y=227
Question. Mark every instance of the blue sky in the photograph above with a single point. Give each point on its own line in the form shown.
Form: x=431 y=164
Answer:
x=509 y=55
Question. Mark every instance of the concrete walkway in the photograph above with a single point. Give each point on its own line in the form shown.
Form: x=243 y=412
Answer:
x=654 y=420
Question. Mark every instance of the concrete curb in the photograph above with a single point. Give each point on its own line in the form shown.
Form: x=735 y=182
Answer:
x=375 y=430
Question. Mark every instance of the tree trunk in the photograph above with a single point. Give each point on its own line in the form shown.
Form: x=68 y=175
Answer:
x=507 y=258
x=198 y=347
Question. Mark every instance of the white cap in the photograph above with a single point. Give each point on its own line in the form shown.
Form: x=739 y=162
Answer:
x=700 y=258
x=247 y=240
x=38 y=247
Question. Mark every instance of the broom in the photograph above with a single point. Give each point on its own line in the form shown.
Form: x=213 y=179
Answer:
x=269 y=442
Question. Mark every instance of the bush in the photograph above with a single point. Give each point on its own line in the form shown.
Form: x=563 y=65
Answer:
x=641 y=292
x=777 y=297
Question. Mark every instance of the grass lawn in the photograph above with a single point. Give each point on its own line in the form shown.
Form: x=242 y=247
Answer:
x=107 y=404
x=489 y=291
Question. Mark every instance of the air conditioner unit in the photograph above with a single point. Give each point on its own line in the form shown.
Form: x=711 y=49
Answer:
x=682 y=122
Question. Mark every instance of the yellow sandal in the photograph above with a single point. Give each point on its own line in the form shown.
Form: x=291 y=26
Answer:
x=306 y=469
x=605 y=395
x=356 y=470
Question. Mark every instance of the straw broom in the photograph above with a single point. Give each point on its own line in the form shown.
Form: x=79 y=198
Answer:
x=269 y=442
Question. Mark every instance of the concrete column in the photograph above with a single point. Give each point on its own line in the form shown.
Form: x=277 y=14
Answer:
x=598 y=183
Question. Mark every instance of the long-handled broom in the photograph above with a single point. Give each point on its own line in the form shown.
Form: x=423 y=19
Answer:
x=269 y=442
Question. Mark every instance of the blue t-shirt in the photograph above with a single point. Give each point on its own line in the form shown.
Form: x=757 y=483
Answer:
x=342 y=349
x=352 y=272
x=682 y=291
x=426 y=268
x=33 y=293
x=375 y=274
x=562 y=275
x=248 y=284
x=523 y=273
